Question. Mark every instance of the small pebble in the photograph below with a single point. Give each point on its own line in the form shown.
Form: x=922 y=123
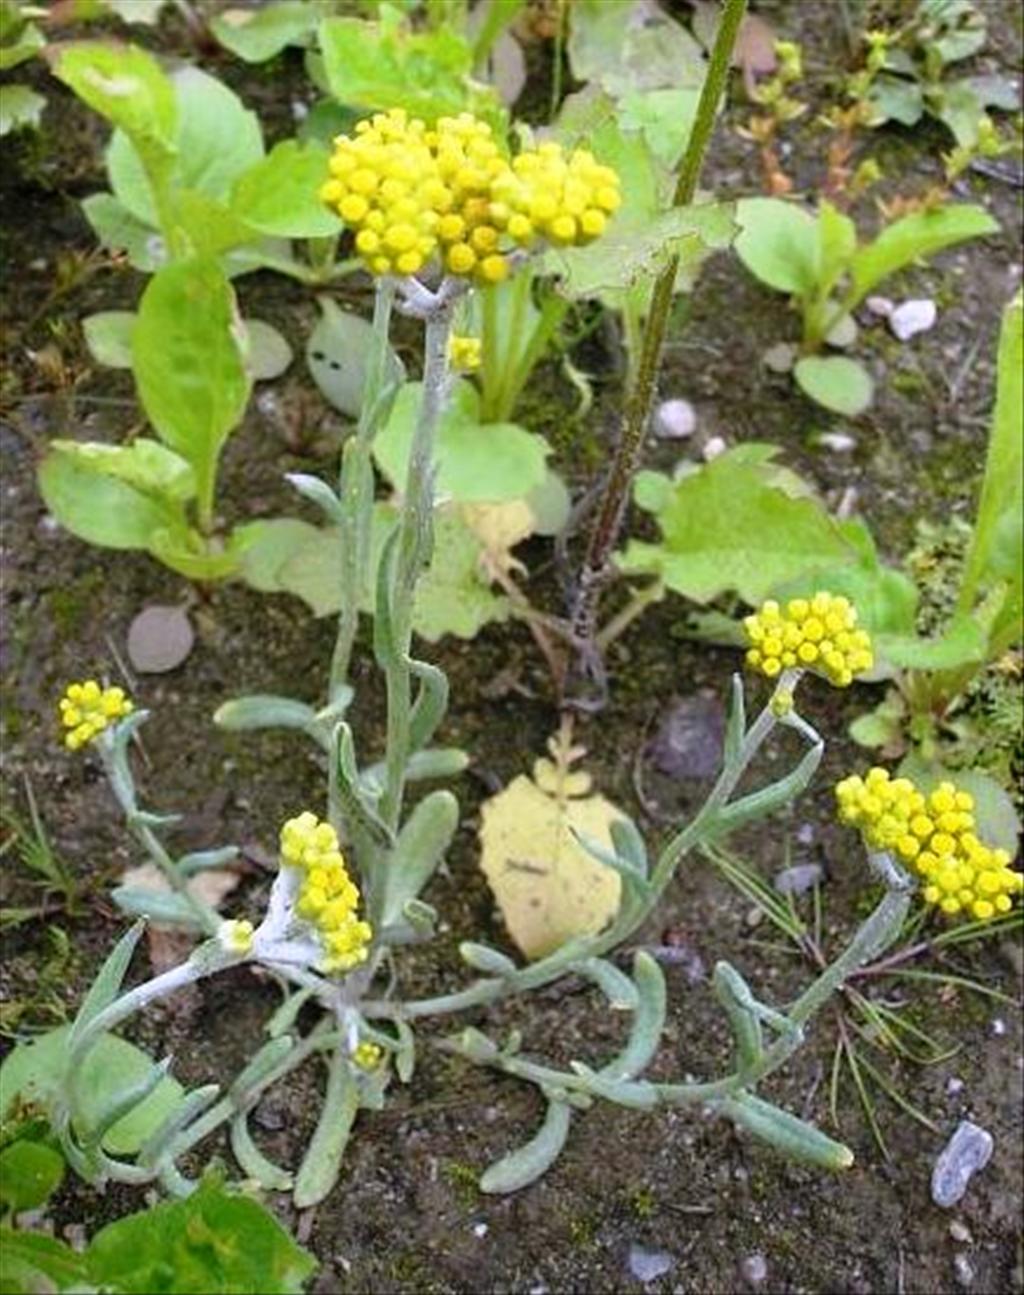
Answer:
x=960 y=1232
x=963 y=1273
x=754 y=1269
x=480 y=1229
x=798 y=879
x=954 y=1086
x=805 y=834
x=837 y=442
x=998 y=1027
x=780 y=358
x=881 y=306
x=675 y=420
x=754 y=917
x=713 y=447
x=648 y=1265
x=967 y=1151
x=912 y=317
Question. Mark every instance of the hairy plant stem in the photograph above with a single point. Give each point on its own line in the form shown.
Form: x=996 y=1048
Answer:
x=355 y=489
x=411 y=555
x=607 y=524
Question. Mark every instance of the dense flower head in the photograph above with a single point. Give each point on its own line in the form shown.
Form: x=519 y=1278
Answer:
x=934 y=835
x=328 y=897
x=411 y=192
x=367 y=1055
x=818 y=633
x=236 y=936
x=86 y=710
x=464 y=353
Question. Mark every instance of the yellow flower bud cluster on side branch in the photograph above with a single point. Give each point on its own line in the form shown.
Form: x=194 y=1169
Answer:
x=412 y=192
x=86 y=710
x=464 y=353
x=328 y=897
x=934 y=835
x=818 y=634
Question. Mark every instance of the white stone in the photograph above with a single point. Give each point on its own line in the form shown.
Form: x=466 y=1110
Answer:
x=913 y=317
x=882 y=306
x=713 y=448
x=675 y=420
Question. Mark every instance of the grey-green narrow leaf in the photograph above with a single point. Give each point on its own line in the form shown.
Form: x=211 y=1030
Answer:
x=794 y=1137
x=107 y=985
x=322 y=1162
x=522 y=1167
x=420 y=847
x=264 y=711
x=616 y=986
x=648 y=1021
x=253 y=1161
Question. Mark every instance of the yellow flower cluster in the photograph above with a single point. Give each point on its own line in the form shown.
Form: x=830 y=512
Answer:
x=818 y=634
x=464 y=353
x=367 y=1056
x=235 y=936
x=934 y=835
x=86 y=710
x=328 y=897
x=411 y=191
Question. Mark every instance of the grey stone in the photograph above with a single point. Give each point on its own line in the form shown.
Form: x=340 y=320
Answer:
x=754 y=1269
x=967 y=1151
x=648 y=1265
x=913 y=317
x=963 y=1272
x=798 y=879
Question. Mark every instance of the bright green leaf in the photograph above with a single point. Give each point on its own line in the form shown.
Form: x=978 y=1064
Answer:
x=475 y=463
x=108 y=335
x=836 y=382
x=281 y=194
x=626 y=47
x=962 y=643
x=189 y=362
x=216 y=1241
x=215 y=140
x=777 y=243
x=19 y=106
x=29 y=41
x=99 y=508
x=256 y=35
x=32 y=1262
x=664 y=117
x=34 y=1072
x=147 y=465
x=268 y=545
x=120 y=231
x=123 y=83
x=30 y=1172
x=725 y=527
x=918 y=235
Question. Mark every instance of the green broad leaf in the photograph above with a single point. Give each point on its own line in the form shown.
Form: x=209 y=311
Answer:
x=918 y=235
x=268 y=545
x=216 y=138
x=280 y=194
x=255 y=35
x=185 y=550
x=883 y=726
x=997 y=545
x=633 y=252
x=119 y=231
x=34 y=1073
x=269 y=352
x=189 y=361
x=727 y=527
x=209 y=226
x=453 y=597
x=147 y=465
x=100 y=508
x=836 y=382
x=627 y=46
x=476 y=463
x=894 y=98
x=19 y=106
x=108 y=335
x=962 y=643
x=778 y=243
x=837 y=242
x=18 y=43
x=30 y=1172
x=32 y=1262
x=215 y=1241
x=386 y=64
x=958 y=107
x=663 y=117
x=123 y=83
x=338 y=353
x=998 y=823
